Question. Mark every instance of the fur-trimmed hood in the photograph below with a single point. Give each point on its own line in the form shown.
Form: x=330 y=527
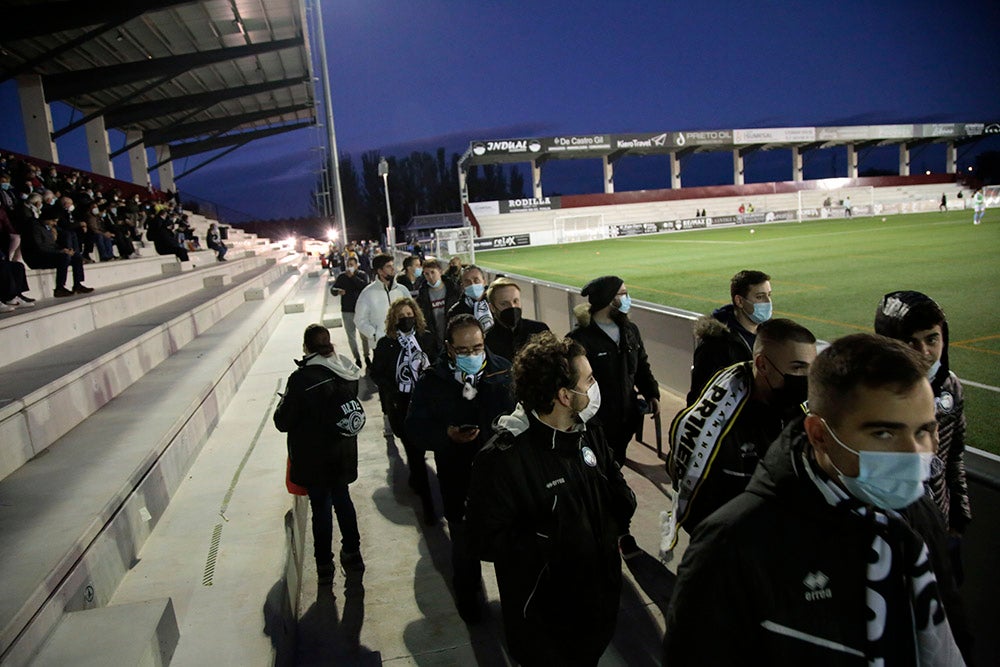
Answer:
x=716 y=325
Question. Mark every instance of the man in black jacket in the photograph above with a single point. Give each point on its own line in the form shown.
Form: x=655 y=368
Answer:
x=473 y=300
x=726 y=336
x=546 y=504
x=322 y=416
x=833 y=555
x=452 y=411
x=348 y=286
x=511 y=331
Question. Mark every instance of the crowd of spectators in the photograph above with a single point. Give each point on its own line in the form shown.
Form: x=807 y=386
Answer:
x=57 y=218
x=529 y=433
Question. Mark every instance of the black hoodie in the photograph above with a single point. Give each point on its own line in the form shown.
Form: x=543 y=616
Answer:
x=720 y=342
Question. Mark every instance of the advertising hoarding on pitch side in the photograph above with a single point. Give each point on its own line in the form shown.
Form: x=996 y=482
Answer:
x=498 y=242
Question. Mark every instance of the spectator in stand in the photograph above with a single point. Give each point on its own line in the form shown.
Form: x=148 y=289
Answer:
x=546 y=504
x=158 y=231
x=47 y=253
x=452 y=410
x=71 y=228
x=214 y=241
x=375 y=299
x=348 y=286
x=13 y=281
x=511 y=331
x=454 y=272
x=727 y=335
x=473 y=297
x=410 y=278
x=100 y=236
x=436 y=298
x=401 y=356
x=322 y=416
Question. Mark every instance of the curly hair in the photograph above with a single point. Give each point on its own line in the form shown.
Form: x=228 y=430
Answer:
x=392 y=317
x=542 y=367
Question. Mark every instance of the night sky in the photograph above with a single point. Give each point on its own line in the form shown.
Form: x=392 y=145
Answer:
x=417 y=75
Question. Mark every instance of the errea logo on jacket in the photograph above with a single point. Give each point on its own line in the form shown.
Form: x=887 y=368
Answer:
x=815 y=583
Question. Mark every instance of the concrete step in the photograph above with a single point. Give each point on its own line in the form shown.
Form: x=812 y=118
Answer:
x=75 y=519
x=142 y=633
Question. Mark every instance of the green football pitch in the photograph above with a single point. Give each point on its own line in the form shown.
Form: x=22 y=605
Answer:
x=827 y=275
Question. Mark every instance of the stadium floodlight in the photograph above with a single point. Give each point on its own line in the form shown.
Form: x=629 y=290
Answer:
x=928 y=172
x=390 y=232
x=331 y=234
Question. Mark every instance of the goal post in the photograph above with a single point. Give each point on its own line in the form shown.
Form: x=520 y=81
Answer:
x=456 y=241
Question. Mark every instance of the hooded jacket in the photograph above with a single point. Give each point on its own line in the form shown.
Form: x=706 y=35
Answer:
x=322 y=416
x=783 y=573
x=718 y=344
x=547 y=507
x=619 y=369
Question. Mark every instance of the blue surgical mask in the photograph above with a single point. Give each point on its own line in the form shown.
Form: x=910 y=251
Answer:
x=470 y=363
x=417 y=272
x=475 y=292
x=5 y=186
x=889 y=480
x=761 y=312
x=624 y=303
x=437 y=284
x=932 y=373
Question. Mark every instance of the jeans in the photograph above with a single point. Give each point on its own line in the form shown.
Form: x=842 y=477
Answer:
x=324 y=501
x=351 y=331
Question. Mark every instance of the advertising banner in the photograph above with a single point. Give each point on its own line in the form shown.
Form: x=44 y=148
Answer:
x=484 y=208
x=634 y=229
x=529 y=204
x=706 y=138
x=498 y=242
x=582 y=144
x=774 y=135
x=506 y=147
x=641 y=143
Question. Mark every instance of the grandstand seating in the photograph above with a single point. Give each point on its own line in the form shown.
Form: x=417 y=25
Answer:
x=86 y=465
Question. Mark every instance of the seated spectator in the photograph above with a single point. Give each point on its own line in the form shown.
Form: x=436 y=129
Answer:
x=98 y=234
x=158 y=231
x=13 y=285
x=406 y=351
x=214 y=241
x=48 y=254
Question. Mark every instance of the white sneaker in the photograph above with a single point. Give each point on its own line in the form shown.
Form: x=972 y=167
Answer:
x=18 y=302
x=4 y=308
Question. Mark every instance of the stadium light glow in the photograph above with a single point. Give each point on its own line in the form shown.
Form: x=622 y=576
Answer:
x=331 y=234
x=928 y=172
x=290 y=241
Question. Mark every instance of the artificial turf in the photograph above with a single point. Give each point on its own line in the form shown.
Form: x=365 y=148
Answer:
x=827 y=275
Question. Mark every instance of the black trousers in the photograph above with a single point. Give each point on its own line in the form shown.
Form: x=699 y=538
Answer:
x=61 y=262
x=13 y=280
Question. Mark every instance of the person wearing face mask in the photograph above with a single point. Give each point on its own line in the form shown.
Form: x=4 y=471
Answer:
x=452 y=410
x=616 y=353
x=348 y=286
x=473 y=301
x=546 y=505
x=410 y=278
x=727 y=335
x=834 y=554
x=917 y=320
x=436 y=297
x=511 y=331
x=375 y=299
x=406 y=351
x=717 y=441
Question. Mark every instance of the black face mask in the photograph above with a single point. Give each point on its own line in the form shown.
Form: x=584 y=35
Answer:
x=510 y=318
x=794 y=392
x=406 y=324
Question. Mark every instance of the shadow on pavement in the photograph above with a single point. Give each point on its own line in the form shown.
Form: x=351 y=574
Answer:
x=326 y=638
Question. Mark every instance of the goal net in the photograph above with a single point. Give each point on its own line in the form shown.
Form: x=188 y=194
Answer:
x=458 y=241
x=568 y=229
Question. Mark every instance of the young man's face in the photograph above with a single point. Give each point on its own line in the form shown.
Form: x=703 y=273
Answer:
x=472 y=278
x=928 y=343
x=506 y=297
x=432 y=276
x=414 y=265
x=875 y=420
x=759 y=293
x=387 y=271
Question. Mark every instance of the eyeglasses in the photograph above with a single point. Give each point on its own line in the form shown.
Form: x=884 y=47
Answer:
x=465 y=351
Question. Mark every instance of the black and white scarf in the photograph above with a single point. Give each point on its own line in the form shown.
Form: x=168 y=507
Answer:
x=898 y=568
x=468 y=382
x=481 y=311
x=411 y=361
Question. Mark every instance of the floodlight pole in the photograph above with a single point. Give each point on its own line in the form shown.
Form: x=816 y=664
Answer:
x=331 y=135
x=390 y=232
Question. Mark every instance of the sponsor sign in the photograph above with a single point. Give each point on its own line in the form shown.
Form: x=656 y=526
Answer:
x=892 y=131
x=479 y=208
x=529 y=204
x=706 y=138
x=991 y=128
x=588 y=143
x=939 y=130
x=973 y=129
x=641 y=143
x=498 y=242
x=526 y=147
x=843 y=133
x=774 y=135
x=634 y=229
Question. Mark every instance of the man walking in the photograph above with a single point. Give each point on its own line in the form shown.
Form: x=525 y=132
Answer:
x=375 y=299
x=546 y=504
x=511 y=331
x=322 y=416
x=436 y=297
x=348 y=285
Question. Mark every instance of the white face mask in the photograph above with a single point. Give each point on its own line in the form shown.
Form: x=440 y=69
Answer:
x=889 y=480
x=594 y=394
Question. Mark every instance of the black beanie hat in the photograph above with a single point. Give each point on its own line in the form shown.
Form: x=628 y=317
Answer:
x=602 y=291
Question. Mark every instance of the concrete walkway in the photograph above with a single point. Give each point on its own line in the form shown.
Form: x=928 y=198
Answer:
x=220 y=550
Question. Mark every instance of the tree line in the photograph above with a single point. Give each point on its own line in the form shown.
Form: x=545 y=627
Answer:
x=420 y=183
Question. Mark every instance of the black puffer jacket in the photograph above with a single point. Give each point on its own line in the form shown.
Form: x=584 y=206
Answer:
x=550 y=521
x=619 y=369
x=322 y=416
x=718 y=344
x=784 y=574
x=506 y=342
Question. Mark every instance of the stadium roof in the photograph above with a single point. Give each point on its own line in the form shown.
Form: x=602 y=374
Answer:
x=195 y=75
x=613 y=146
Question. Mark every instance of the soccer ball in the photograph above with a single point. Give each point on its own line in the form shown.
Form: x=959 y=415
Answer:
x=753 y=231
x=883 y=219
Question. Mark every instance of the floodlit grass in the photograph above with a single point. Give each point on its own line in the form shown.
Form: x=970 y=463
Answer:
x=827 y=275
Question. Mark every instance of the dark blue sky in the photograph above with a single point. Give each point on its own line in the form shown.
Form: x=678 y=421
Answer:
x=416 y=75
